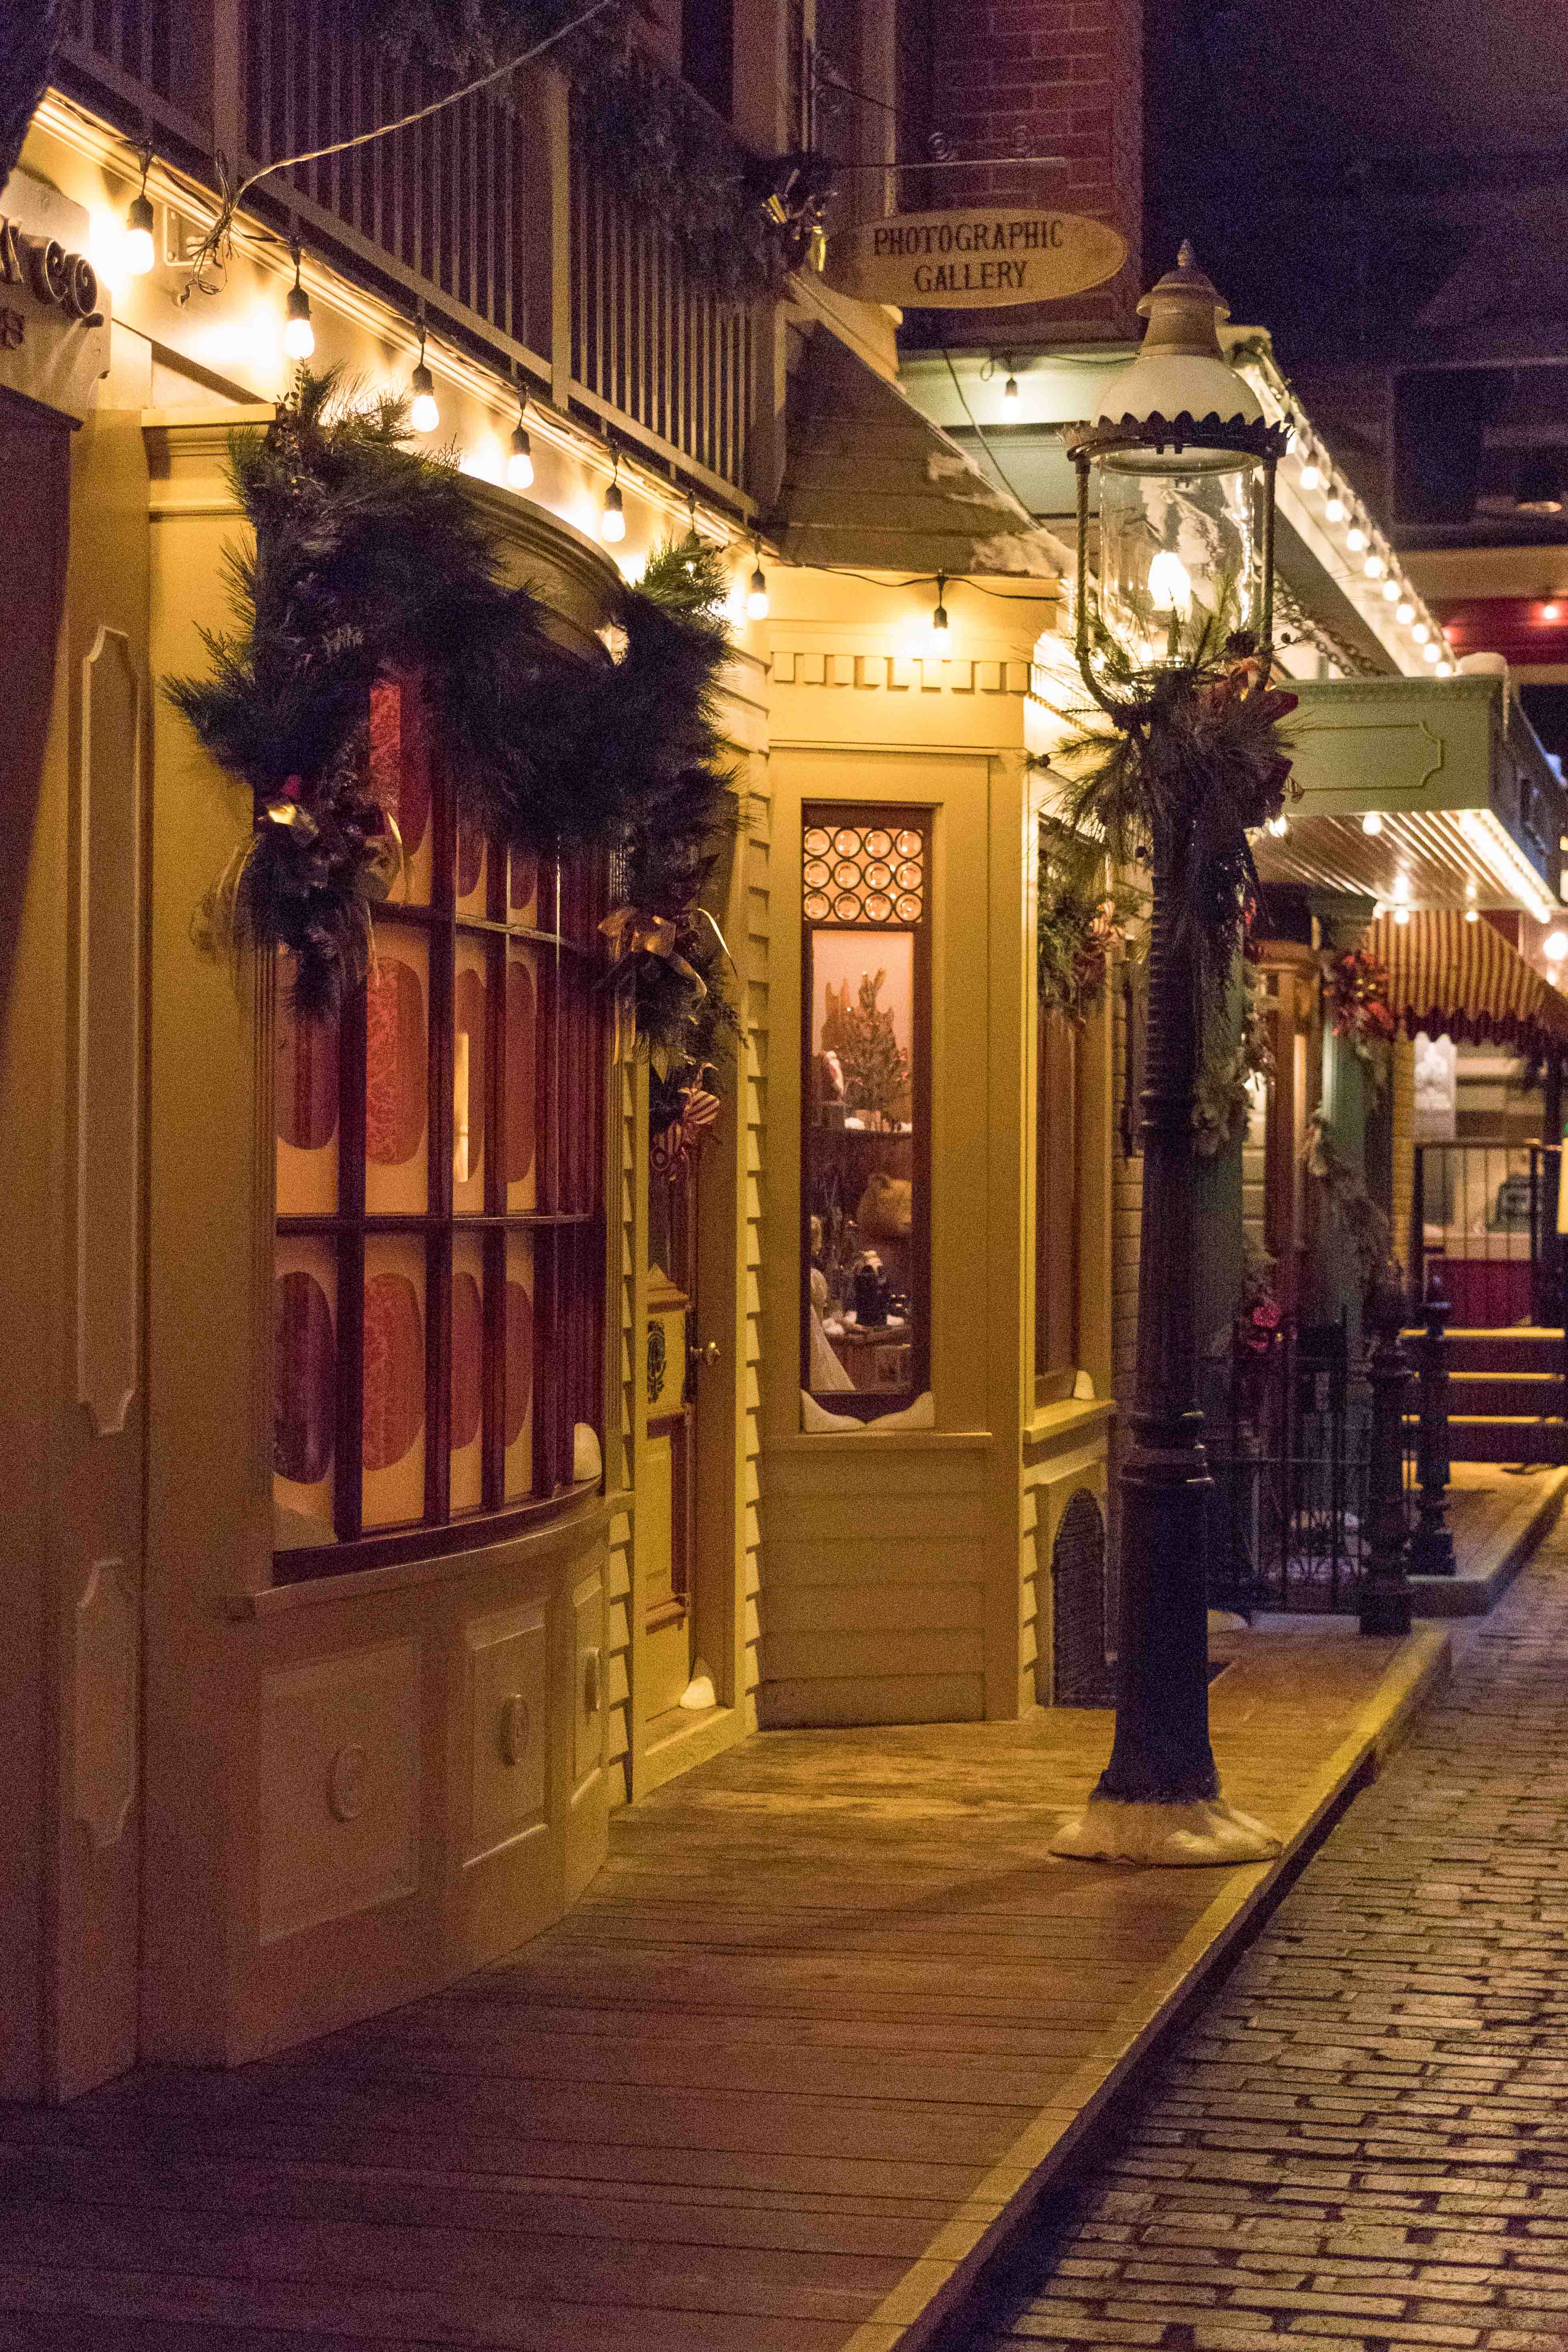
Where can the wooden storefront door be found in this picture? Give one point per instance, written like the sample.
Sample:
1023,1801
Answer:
668,1481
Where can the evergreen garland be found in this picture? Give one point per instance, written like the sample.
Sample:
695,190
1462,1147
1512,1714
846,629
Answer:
1080,921
740,226
369,558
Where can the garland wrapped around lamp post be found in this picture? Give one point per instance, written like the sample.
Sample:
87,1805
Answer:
1176,648
372,559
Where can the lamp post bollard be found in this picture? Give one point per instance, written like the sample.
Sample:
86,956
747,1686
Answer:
1431,1545
1385,1597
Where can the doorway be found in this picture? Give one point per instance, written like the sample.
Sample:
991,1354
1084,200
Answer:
677,1682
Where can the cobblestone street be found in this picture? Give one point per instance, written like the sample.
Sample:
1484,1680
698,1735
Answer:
1364,2139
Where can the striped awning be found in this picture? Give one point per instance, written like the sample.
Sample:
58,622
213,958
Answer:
1463,980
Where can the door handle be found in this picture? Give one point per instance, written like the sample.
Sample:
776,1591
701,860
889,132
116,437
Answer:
698,1355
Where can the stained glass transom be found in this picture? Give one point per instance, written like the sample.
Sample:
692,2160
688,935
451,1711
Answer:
864,874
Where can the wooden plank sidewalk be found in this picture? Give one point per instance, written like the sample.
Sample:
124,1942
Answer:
814,2035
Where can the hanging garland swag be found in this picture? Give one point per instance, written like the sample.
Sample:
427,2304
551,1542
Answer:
369,559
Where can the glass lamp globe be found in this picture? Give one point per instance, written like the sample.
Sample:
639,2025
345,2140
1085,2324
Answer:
1185,461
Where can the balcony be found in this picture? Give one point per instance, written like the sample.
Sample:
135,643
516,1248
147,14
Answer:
483,212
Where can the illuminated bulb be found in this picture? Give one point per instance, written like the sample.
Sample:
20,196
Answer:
1401,887
1312,475
1554,946
136,253
1372,822
1355,538
1390,590
1552,612
519,465
423,415
1279,826
1421,633
1472,915
1444,669
1170,584
1402,915
298,335
1405,612
1431,653
1336,509
1373,567
1010,397
939,643
757,595
613,521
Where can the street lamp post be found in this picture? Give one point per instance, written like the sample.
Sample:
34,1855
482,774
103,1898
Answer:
1183,460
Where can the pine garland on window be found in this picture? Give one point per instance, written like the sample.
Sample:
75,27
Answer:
369,558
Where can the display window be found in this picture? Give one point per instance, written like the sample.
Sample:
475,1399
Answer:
439,1266
866,1097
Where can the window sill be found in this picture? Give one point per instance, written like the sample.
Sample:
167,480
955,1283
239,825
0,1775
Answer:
583,1512
1074,1416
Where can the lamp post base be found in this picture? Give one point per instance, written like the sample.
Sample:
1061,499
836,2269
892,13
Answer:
1200,1832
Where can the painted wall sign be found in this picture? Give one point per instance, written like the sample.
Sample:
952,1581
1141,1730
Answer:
981,258
54,313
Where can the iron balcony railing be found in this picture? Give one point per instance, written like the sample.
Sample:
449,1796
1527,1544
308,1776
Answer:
458,213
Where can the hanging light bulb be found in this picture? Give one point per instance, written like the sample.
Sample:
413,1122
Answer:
1405,611
1170,585
1472,915
1554,946
1311,473
423,415
298,335
1372,822
1355,538
613,521
941,637
1444,669
1421,633
520,464
1373,566
1336,509
136,254
1431,653
1279,825
1390,590
757,594
1010,395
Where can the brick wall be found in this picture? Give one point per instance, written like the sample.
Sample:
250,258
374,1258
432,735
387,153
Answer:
1001,78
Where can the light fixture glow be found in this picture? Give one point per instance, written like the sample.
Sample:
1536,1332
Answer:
423,415
757,594
1355,538
1372,822
1312,475
1444,669
939,636
1390,590
1405,612
1472,915
1279,825
1373,567
1429,652
1402,889
1507,863
1336,509
520,464
1554,946
1010,396
1421,633
298,335
136,254
1402,915
1170,584
613,521
1552,612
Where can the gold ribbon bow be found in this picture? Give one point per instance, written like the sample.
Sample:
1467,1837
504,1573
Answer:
632,932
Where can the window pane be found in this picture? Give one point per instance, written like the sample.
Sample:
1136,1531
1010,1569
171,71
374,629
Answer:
518,1375
393,1414
523,888
468,1373
468,1093
305,1389
863,1169
472,866
305,1106
1056,1199
397,1082
521,1081
400,778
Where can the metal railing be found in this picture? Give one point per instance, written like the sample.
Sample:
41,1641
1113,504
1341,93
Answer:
456,213
1487,1212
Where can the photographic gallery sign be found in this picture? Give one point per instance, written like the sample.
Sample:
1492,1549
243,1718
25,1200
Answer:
979,260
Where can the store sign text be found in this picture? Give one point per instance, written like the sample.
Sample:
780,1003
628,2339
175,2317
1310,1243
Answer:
63,281
976,259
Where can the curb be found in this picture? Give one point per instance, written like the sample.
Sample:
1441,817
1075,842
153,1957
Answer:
1473,1592
938,2287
